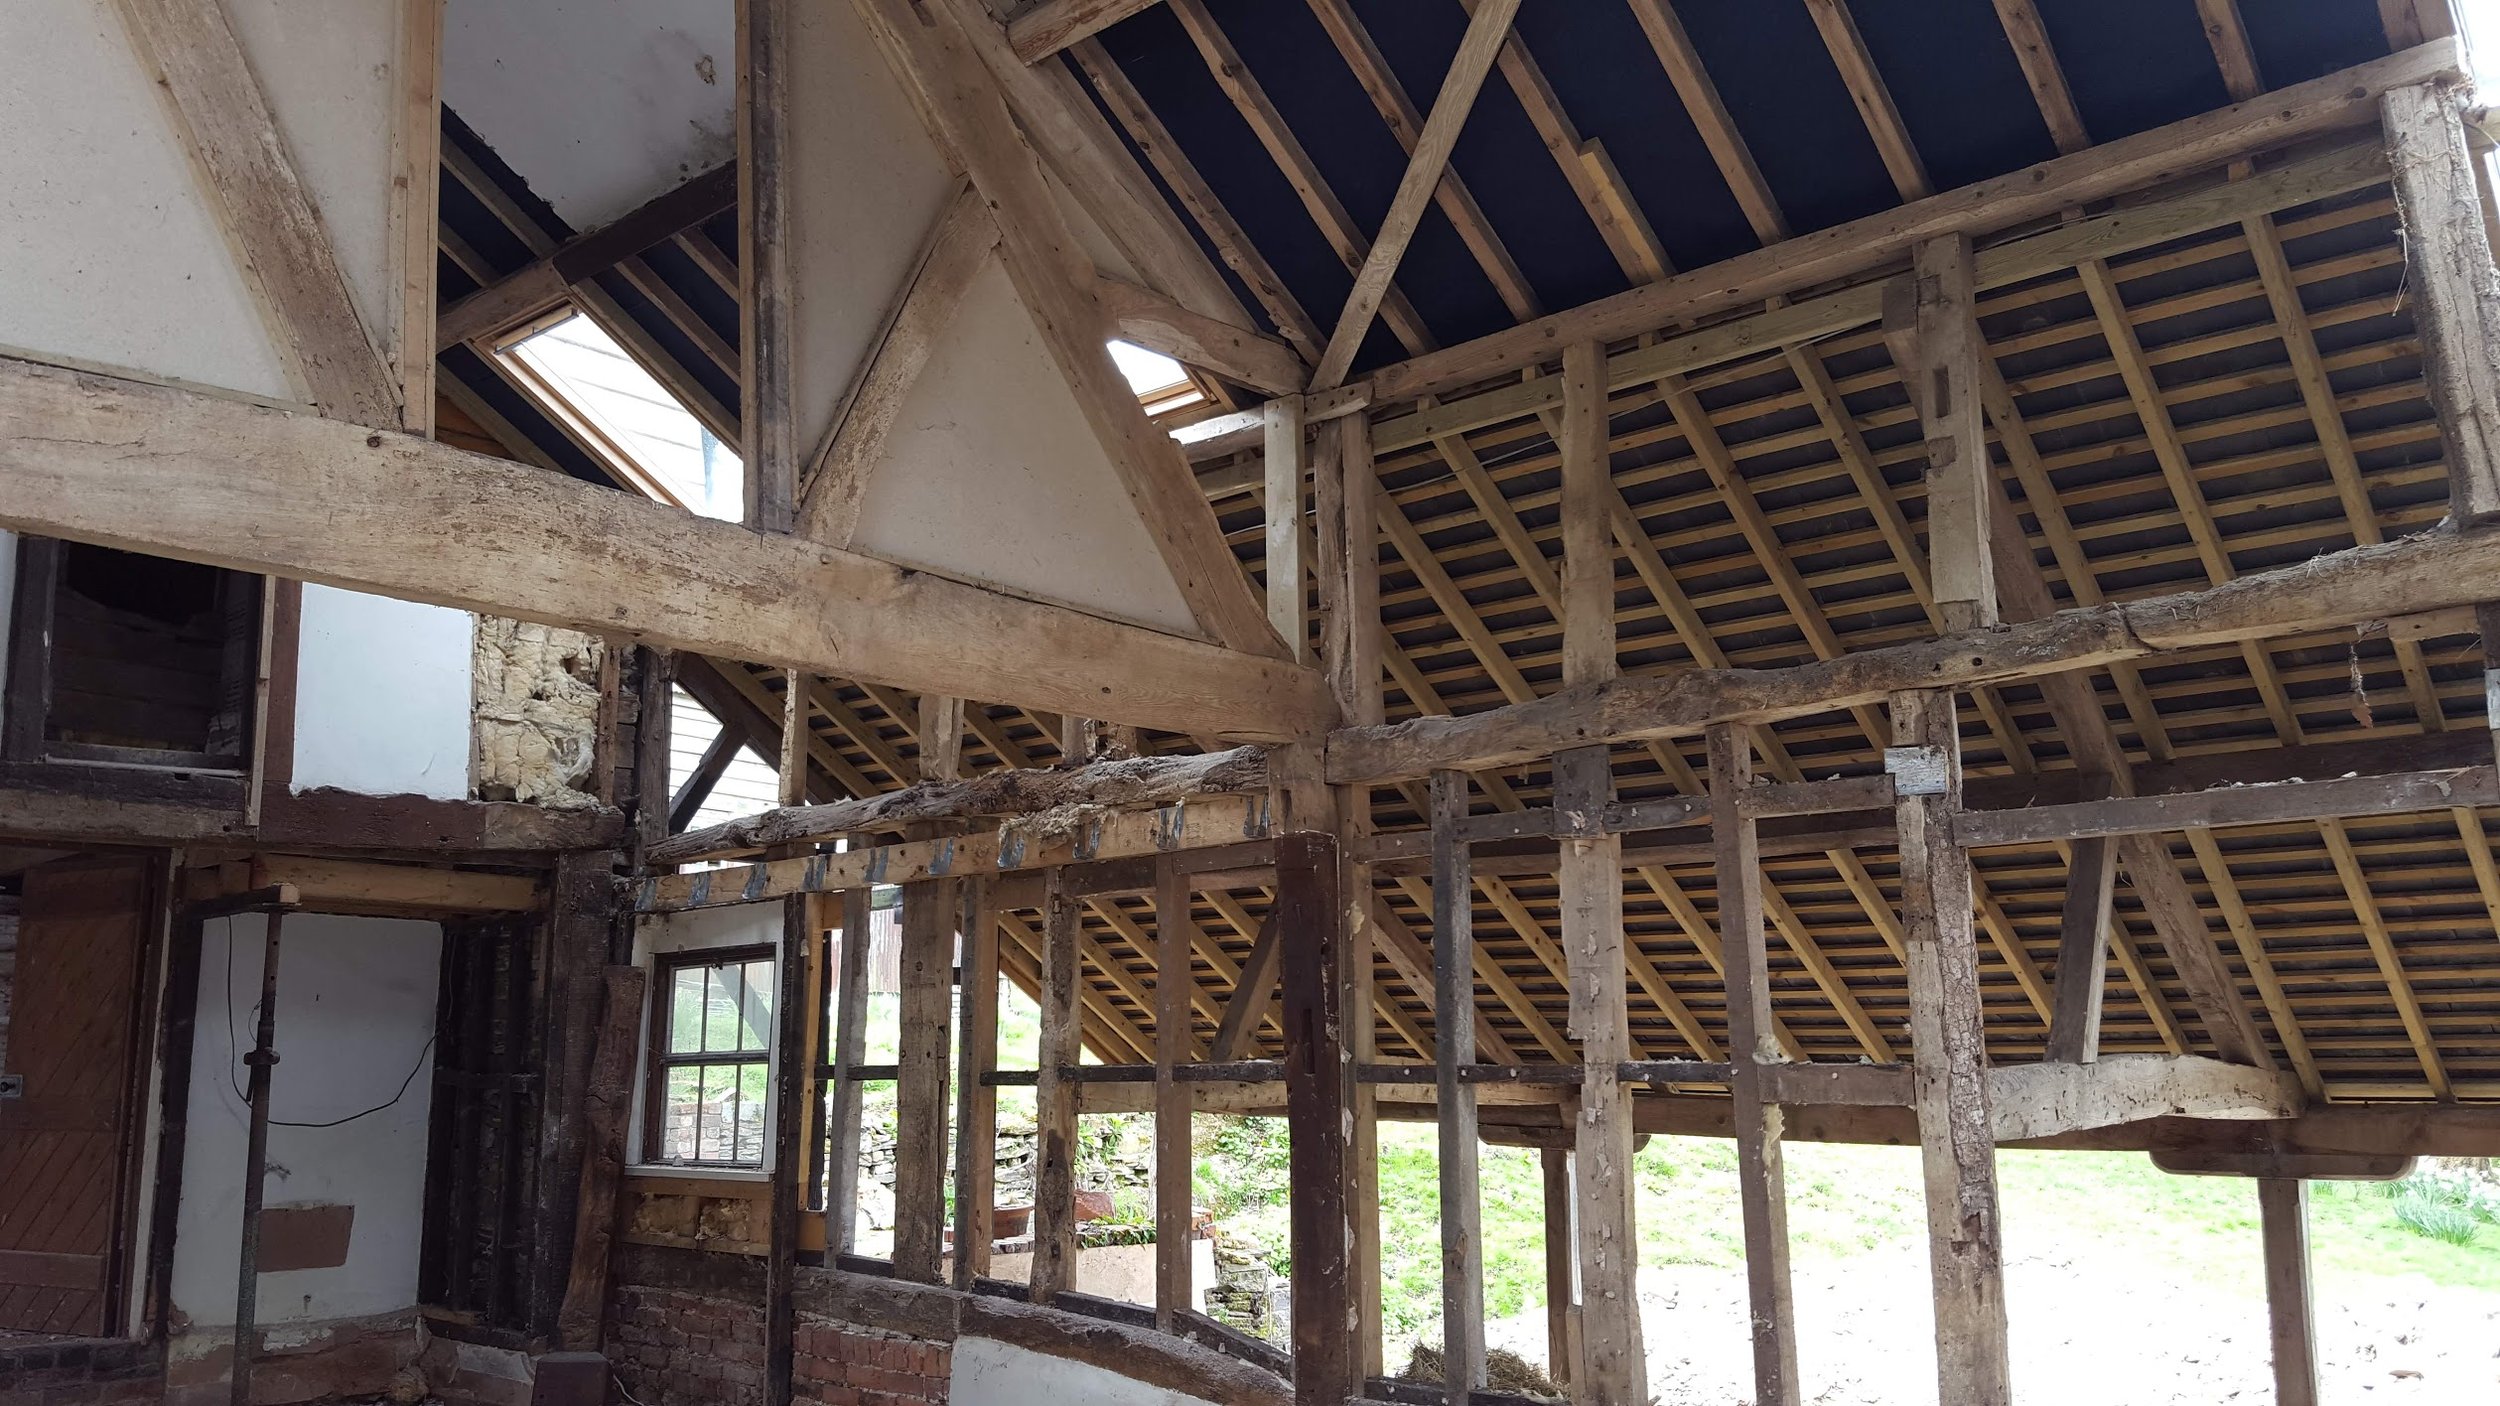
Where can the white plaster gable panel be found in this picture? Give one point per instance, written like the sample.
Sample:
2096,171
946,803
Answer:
866,188
383,701
987,1372
108,250
327,74
993,475
599,104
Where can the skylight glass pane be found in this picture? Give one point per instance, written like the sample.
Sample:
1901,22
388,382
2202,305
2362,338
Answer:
1147,371
633,418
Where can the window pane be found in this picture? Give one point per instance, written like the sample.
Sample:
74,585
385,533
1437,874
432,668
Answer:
685,1011
720,1091
595,380
752,1101
720,1010
759,1005
681,1114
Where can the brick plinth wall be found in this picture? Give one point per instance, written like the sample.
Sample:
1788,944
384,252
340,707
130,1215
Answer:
82,1374
686,1328
696,1338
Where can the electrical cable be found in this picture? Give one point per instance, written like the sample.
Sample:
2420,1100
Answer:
234,1054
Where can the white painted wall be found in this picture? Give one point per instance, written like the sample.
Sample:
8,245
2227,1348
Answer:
993,475
991,1373
851,131
382,696
108,252
738,925
599,104
355,1013
327,74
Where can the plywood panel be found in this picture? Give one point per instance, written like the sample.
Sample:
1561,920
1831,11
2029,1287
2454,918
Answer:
80,940
108,252
992,475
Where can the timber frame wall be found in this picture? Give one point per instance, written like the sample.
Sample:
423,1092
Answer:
1939,703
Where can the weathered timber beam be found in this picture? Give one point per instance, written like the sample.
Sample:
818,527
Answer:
2428,571
1130,782
1044,29
2263,804
2043,1100
2337,101
542,283
1146,318
197,477
1047,844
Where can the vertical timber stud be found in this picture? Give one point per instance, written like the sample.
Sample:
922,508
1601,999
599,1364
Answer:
794,735
1562,1287
2283,1213
1344,485
1284,524
2083,951
1949,1076
262,1059
1960,480
930,909
850,1046
767,292
792,1055
1611,1371
1454,1048
1173,980
2451,285
1054,1097
1319,1089
1761,1166
976,1103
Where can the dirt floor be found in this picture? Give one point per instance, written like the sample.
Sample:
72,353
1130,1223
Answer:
2092,1327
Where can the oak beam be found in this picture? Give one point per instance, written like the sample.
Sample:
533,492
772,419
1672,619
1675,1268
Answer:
1949,1060
204,478
976,1100
2083,952
1145,318
1487,29
2453,289
1054,1178
2283,1222
1454,988
1319,1094
1761,1168
2429,571
1052,25
1961,478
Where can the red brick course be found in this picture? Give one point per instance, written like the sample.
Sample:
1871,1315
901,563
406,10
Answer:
674,1348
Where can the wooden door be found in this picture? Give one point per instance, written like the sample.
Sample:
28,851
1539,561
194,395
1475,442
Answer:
82,935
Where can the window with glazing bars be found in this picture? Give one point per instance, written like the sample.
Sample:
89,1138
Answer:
710,1057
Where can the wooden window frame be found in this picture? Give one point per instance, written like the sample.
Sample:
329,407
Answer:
658,1061
27,757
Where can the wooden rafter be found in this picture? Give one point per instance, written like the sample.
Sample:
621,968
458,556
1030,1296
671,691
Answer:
1487,29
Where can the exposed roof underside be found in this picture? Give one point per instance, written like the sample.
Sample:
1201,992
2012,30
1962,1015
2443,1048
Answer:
2240,397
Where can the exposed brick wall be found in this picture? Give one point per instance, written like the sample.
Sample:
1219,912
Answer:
840,1365
82,1374
683,1346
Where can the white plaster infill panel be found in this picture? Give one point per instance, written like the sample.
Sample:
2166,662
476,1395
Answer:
993,475
598,104
991,1373
109,253
355,1015
383,704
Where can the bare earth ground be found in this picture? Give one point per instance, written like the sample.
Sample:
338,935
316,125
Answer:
2093,1326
